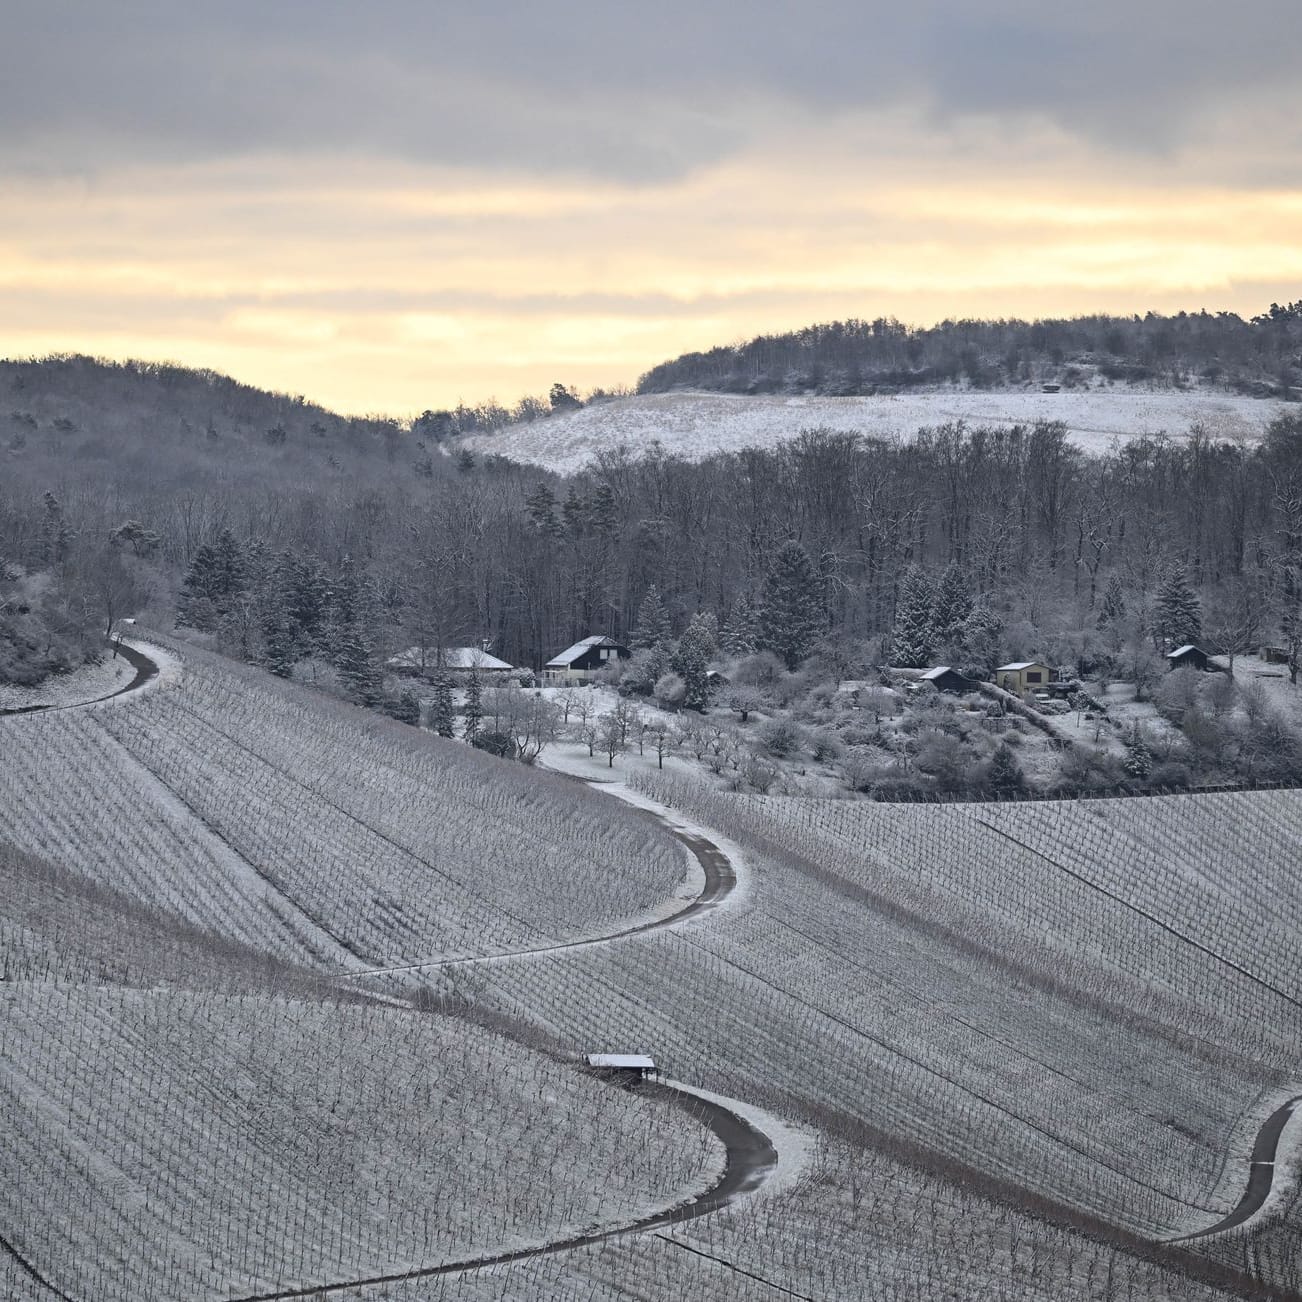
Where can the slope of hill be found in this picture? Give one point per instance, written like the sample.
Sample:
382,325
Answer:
695,425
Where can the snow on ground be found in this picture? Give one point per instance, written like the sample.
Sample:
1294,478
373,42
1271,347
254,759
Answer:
89,683
695,425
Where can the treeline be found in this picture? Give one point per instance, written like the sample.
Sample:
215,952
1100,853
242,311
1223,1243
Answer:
1261,357
1065,555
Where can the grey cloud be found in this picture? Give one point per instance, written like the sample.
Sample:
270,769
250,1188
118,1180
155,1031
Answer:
597,87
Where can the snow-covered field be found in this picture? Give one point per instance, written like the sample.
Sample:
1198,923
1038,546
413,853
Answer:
694,425
987,1024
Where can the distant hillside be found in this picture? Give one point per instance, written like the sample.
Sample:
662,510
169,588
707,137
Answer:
122,414
696,425
1258,358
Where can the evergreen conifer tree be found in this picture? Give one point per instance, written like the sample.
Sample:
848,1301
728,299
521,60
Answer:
652,627
474,706
912,639
791,617
541,506
1113,609
1005,775
1139,759
441,712
982,630
1178,614
740,636
952,606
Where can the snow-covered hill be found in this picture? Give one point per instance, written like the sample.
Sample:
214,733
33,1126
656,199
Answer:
697,424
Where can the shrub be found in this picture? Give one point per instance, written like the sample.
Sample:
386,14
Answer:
825,745
780,737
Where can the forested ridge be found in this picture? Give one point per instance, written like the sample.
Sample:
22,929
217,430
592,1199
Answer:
1261,357
344,537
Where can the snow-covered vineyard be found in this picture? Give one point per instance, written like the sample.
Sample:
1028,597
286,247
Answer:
978,1051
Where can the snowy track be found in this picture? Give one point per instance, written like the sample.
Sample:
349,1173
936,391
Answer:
146,671
1261,1175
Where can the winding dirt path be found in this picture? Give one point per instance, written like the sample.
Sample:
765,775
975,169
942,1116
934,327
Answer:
1261,1174
146,671
750,1157
720,882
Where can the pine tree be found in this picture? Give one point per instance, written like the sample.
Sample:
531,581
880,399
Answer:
652,627
951,607
1005,775
1139,759
474,707
441,712
740,635
354,658
1178,614
791,617
913,635
541,506
279,652
691,662
982,630
1113,609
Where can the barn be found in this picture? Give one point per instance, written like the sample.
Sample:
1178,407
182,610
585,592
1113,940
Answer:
583,661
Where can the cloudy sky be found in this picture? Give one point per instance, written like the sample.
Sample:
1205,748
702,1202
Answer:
393,205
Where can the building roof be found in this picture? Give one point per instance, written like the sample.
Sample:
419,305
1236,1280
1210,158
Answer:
619,1060
453,657
1184,651
940,671
1022,664
572,653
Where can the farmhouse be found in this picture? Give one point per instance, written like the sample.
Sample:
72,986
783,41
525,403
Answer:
583,661
1023,675
621,1066
1190,657
456,661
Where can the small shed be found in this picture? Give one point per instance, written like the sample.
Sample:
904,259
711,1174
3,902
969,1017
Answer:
1190,657
1272,655
1023,676
583,661
945,679
628,1067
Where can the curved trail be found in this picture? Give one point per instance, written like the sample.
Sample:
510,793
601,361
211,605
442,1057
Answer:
750,1157
1261,1174
720,882
146,671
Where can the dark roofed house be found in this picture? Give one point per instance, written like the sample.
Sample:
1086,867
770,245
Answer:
583,661
945,679
1190,657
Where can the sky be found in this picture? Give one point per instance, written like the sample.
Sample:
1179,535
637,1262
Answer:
399,205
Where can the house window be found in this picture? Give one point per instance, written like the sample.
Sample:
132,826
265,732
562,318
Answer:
1033,677
605,653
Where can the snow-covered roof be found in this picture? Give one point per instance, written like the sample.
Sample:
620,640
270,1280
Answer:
1183,651
1022,664
620,1060
572,653
453,657
939,671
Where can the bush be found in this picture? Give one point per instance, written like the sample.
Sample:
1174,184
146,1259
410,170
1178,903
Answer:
825,745
1171,774
780,737
501,744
